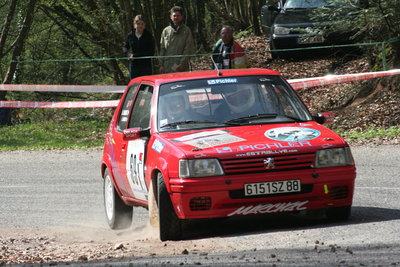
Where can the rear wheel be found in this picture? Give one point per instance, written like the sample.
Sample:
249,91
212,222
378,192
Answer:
338,213
169,223
118,215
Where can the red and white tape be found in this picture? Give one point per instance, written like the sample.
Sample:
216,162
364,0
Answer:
295,83
63,88
72,104
337,79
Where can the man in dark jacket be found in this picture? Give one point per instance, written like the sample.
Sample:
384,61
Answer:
227,53
139,43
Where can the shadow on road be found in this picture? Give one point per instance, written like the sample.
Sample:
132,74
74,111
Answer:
281,222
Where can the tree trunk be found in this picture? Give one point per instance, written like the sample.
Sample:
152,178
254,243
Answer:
5,115
6,27
202,39
256,10
19,43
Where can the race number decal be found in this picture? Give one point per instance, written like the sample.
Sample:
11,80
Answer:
135,168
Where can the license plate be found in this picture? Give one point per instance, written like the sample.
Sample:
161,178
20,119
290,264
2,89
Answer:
268,188
311,39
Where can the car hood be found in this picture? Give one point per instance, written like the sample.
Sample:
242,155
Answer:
254,140
294,17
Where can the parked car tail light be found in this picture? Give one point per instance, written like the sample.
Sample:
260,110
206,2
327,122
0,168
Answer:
334,157
199,168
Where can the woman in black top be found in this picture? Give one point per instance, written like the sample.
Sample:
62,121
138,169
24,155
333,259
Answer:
139,43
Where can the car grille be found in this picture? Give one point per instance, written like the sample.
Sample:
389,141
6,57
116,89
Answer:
298,31
258,164
339,192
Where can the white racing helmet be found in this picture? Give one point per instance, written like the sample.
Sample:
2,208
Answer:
241,98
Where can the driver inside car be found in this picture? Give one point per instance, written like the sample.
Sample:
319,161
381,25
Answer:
240,102
175,109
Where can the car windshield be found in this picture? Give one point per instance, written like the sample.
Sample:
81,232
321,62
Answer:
232,101
307,3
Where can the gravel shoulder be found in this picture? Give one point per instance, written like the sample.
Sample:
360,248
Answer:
80,235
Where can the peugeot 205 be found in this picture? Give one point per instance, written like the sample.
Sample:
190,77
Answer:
218,144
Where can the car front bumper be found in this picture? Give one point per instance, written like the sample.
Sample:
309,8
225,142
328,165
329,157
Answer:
223,196
289,41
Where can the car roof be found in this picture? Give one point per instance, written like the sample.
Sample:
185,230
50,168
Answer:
193,75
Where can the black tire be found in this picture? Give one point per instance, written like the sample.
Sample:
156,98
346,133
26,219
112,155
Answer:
118,215
338,213
170,224
272,46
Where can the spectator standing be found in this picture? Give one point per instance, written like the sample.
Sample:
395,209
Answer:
227,53
176,39
139,43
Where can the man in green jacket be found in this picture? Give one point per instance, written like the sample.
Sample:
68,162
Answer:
176,39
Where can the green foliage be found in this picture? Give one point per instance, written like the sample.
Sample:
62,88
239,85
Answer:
97,29
367,20
244,33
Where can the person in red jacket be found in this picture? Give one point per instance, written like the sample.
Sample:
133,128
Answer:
227,53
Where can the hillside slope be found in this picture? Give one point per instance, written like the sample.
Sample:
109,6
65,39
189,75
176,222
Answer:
358,105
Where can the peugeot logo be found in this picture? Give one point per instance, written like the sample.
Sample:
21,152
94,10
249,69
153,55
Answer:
269,163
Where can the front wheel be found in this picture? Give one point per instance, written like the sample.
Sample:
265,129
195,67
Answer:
169,224
118,215
272,46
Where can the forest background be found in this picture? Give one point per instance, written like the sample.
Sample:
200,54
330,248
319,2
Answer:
80,42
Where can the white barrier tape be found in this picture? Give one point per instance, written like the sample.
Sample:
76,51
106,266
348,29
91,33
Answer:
337,79
74,104
295,83
63,88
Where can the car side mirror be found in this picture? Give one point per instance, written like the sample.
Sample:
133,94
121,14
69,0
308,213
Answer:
136,133
132,133
325,118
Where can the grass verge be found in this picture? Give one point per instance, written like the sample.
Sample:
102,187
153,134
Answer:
53,135
80,134
372,135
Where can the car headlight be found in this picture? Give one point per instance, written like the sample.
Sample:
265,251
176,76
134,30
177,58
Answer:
334,157
199,168
281,30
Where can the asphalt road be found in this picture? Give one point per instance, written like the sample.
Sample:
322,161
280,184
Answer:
42,189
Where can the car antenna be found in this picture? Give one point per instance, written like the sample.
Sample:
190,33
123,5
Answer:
216,66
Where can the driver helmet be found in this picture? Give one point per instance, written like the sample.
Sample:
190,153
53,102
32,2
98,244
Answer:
241,99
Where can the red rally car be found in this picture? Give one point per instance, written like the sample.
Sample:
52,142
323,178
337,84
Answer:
213,144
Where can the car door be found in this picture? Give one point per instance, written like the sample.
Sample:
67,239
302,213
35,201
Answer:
120,144
268,14
136,149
